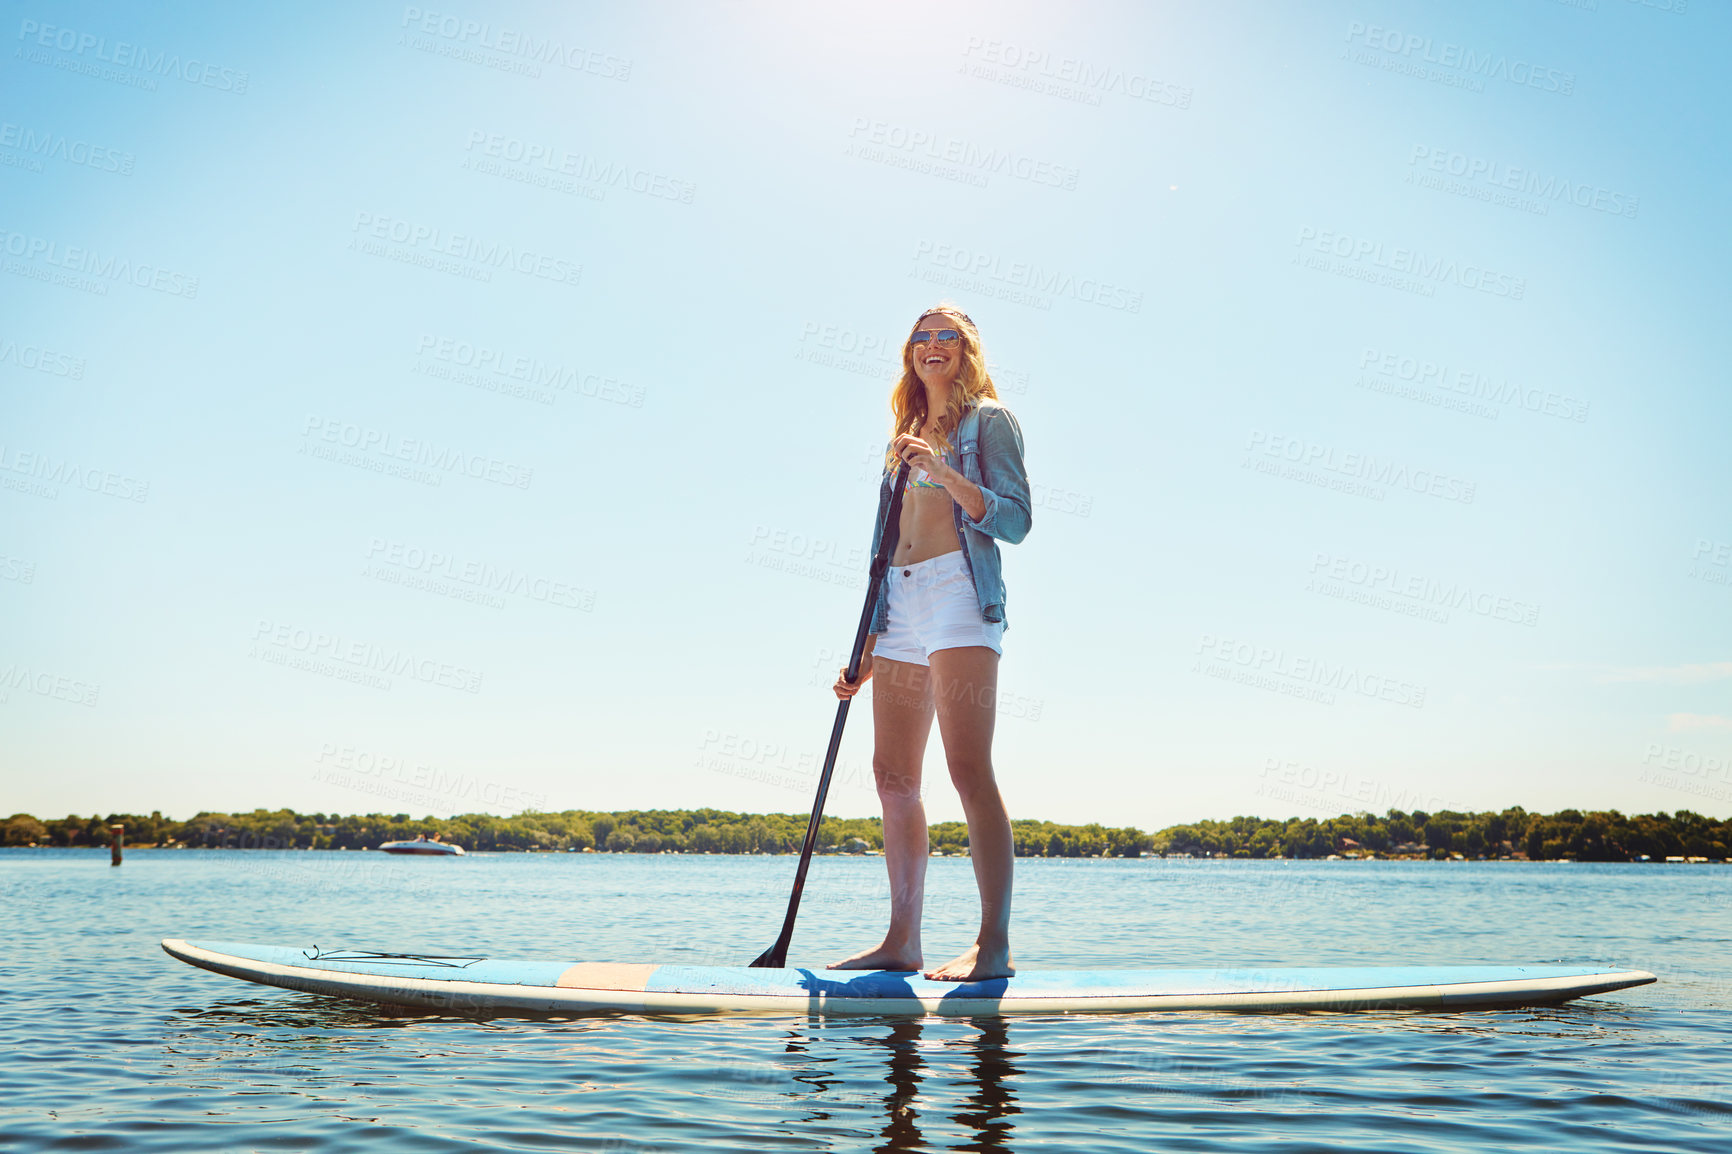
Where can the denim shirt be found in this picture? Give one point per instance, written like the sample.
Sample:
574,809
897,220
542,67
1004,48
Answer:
989,443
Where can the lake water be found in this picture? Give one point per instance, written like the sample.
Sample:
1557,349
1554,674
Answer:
111,1044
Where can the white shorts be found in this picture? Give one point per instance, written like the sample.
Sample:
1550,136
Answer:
932,606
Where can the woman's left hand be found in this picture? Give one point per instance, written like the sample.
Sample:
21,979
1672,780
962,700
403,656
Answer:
918,453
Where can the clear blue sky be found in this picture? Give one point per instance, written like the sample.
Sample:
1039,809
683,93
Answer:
451,408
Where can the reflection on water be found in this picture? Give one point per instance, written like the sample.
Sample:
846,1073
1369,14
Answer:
896,1084
110,1044
957,1077
992,1100
981,1104
901,1044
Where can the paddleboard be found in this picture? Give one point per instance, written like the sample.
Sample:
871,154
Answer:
562,987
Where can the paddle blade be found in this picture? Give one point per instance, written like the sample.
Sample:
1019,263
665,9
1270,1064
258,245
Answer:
774,958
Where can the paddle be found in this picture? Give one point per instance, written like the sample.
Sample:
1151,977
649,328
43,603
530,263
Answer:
776,956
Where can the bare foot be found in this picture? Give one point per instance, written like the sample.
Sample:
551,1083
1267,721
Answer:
975,965
880,958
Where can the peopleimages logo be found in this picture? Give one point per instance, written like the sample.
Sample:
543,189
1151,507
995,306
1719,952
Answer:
1022,278
1309,678
1414,594
362,440
78,259
1471,384
1496,176
518,42
419,778
280,643
1325,786
887,143
41,359
555,160
1688,762
45,471
1357,468
49,145
429,242
479,576
1415,50
1071,77
23,679
540,378
1411,263
1712,561
87,47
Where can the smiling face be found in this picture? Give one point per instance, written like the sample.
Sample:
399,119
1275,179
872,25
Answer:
935,362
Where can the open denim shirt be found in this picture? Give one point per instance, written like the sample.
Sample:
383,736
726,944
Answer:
989,443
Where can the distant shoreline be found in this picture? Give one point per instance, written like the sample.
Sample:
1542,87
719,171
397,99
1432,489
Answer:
102,850
1511,834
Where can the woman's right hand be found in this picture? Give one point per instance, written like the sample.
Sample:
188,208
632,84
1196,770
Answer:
845,688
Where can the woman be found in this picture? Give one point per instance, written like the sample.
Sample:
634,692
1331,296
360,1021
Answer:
935,637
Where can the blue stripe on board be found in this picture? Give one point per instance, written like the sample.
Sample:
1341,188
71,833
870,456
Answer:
1087,983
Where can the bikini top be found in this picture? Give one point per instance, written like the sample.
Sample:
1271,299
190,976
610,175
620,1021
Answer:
919,478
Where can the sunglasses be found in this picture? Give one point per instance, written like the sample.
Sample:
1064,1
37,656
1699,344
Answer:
942,336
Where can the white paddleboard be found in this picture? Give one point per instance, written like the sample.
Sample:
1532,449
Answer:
562,987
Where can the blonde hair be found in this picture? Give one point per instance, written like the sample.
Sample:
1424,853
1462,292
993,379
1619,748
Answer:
908,396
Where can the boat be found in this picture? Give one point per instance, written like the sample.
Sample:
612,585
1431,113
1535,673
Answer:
424,847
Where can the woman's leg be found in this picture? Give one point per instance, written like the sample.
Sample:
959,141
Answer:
964,691
902,723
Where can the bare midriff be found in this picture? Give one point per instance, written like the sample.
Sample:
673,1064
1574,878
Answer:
928,527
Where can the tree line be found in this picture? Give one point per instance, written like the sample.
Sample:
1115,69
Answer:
1514,833
1510,834
623,831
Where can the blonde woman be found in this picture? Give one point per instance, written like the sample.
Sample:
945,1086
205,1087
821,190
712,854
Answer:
936,636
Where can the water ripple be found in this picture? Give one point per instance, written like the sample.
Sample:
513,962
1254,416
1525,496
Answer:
112,1046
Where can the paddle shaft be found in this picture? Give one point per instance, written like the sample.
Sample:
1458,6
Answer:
777,955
